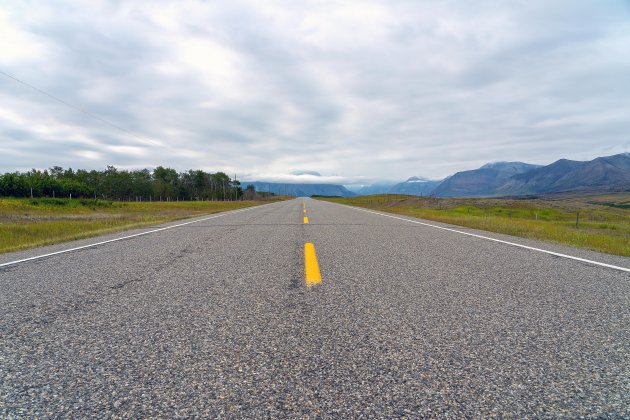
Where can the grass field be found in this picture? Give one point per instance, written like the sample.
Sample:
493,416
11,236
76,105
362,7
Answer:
27,223
599,223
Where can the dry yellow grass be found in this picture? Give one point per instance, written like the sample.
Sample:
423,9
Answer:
27,223
604,221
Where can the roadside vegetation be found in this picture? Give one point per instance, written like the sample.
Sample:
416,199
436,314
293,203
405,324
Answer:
27,223
160,184
599,223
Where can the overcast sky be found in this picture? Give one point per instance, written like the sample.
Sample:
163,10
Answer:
355,90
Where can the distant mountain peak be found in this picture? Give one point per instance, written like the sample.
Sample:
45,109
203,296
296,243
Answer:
314,173
417,179
503,165
483,181
492,165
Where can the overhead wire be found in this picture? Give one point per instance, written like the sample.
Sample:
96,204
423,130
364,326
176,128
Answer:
89,114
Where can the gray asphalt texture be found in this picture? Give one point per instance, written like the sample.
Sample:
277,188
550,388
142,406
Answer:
213,319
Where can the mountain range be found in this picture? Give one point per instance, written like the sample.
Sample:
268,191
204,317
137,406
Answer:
484,181
413,186
300,190
600,174
570,175
491,180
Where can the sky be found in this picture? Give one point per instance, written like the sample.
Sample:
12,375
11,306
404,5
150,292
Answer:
355,91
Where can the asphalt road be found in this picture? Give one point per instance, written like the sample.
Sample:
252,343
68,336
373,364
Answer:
214,318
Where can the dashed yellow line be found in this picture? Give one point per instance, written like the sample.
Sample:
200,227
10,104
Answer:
305,220
311,268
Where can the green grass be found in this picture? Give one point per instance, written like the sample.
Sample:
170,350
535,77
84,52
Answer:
602,227
27,223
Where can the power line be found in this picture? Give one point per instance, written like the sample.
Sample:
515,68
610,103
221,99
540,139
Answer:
89,114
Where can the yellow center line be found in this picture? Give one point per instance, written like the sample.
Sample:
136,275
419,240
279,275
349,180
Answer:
311,268
304,210
305,220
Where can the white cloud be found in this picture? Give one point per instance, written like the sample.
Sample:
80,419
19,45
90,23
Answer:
19,46
366,90
302,178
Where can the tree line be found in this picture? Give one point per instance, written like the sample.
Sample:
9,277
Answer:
163,184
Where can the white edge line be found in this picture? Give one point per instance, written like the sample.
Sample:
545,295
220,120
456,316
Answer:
531,248
122,238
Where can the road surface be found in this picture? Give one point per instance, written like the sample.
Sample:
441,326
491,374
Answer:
215,318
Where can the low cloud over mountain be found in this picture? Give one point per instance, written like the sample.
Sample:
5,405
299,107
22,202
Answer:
301,190
490,180
415,186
